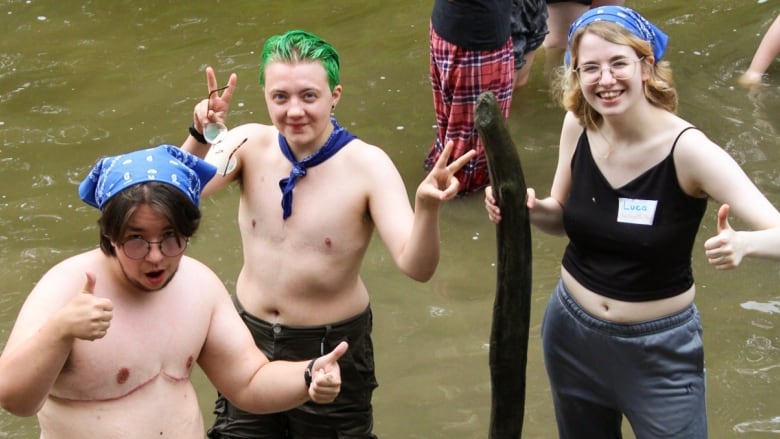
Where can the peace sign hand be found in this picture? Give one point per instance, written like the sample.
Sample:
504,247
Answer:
440,184
215,107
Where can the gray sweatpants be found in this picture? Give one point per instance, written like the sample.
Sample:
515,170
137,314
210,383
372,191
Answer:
651,372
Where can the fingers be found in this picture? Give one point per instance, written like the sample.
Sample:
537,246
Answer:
530,200
326,376
721,250
489,199
218,98
89,285
723,218
458,163
461,161
337,352
211,79
445,154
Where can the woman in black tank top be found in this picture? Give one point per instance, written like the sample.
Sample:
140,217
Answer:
621,334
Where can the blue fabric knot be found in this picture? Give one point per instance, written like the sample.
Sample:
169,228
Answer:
338,138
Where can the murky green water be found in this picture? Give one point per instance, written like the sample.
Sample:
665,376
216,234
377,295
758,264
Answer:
80,79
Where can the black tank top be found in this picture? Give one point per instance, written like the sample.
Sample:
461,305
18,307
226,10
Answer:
633,243
473,24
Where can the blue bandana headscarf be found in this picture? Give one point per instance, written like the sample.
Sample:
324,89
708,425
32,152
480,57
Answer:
163,164
629,19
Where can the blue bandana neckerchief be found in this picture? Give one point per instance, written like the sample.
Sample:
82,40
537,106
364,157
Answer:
338,138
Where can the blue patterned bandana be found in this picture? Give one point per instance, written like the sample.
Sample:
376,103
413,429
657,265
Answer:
629,19
338,138
163,164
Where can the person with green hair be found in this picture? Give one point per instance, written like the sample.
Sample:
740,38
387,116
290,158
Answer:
312,195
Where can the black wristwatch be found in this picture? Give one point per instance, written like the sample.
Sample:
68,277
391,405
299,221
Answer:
307,373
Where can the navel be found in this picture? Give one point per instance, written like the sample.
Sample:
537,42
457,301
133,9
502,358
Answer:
190,360
328,242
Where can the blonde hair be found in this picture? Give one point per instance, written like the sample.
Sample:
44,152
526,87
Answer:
658,89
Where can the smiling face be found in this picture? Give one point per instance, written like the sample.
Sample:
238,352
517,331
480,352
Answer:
155,270
299,102
609,95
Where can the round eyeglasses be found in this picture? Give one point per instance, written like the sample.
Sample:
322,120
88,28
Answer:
138,248
621,69
214,132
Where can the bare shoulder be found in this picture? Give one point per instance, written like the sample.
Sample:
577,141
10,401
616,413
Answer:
368,158
693,145
702,165
198,276
67,277
256,135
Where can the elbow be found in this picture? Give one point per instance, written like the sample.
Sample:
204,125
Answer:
20,408
421,278
18,401
421,274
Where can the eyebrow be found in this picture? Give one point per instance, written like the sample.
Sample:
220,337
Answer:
612,59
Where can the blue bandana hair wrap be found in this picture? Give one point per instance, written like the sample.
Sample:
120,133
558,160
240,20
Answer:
163,164
629,19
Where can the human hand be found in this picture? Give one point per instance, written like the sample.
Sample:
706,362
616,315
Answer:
326,376
441,184
494,212
724,251
215,107
86,316
750,79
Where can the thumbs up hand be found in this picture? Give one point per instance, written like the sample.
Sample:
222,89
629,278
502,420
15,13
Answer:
87,316
723,250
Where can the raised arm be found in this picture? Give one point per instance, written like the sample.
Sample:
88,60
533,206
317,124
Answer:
412,235
213,108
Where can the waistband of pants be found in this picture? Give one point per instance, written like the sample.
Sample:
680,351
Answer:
343,326
622,329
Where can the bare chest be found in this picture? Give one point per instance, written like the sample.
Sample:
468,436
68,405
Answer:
141,347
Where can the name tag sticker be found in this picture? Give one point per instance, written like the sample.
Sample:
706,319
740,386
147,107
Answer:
634,211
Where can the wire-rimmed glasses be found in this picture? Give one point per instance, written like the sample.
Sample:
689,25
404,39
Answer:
621,69
137,247
214,132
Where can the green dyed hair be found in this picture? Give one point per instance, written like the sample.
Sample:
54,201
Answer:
297,46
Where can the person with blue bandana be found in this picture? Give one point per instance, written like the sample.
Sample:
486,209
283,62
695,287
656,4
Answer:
106,343
621,334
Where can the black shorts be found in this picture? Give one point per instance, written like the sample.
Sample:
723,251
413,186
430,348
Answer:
349,416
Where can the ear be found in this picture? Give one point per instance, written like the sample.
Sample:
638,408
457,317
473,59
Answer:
336,94
647,67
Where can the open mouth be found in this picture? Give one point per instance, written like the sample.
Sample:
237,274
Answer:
155,276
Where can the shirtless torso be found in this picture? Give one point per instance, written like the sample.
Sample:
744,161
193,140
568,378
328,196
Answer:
140,362
305,270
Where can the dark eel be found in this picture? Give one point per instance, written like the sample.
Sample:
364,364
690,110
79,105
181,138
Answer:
512,305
